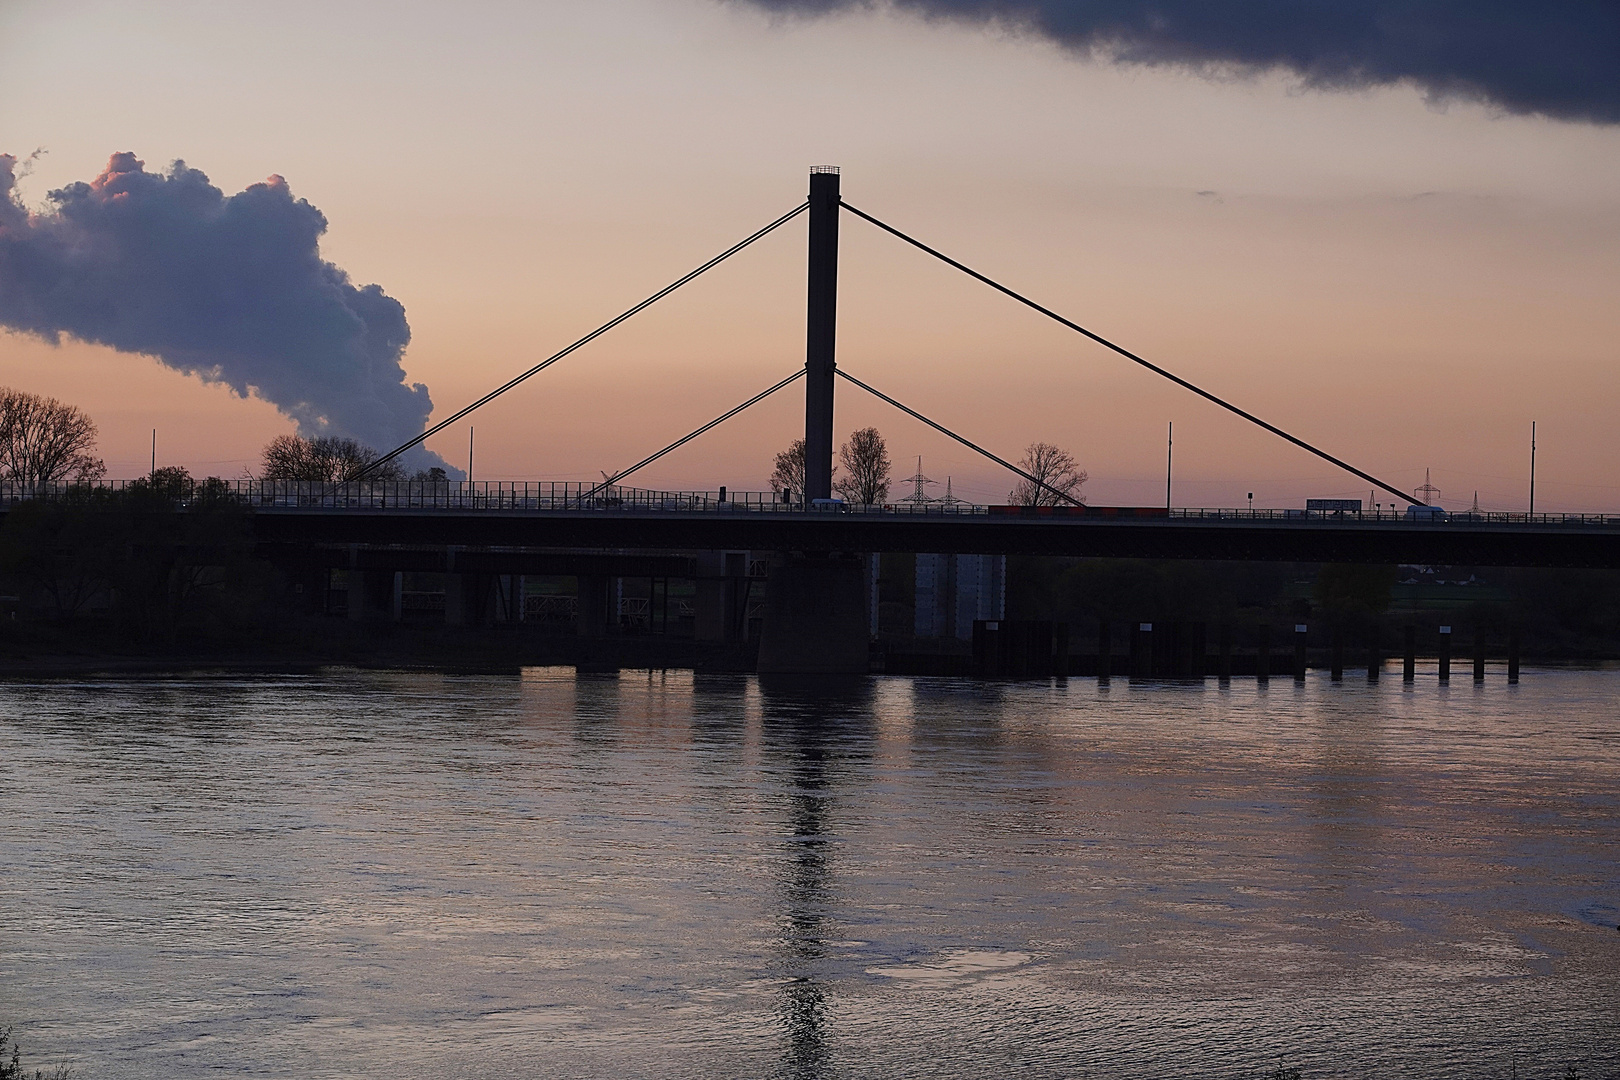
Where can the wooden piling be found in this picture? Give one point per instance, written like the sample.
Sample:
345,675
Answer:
1337,670
1300,634
1479,656
1409,660
1445,654
1262,656
1142,651
1513,657
1105,651
1223,666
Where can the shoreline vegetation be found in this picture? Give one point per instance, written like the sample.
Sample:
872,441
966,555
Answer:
11,1067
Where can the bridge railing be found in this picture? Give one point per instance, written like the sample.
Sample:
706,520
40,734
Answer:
449,495
545,495
1392,516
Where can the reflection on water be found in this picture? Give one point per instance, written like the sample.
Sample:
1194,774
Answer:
658,874
811,734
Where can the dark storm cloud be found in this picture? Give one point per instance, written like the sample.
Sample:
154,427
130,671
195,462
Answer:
232,290
1558,58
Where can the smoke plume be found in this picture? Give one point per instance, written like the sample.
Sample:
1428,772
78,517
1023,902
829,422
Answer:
229,289
1556,58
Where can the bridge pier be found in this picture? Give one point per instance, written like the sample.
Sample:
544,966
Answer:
592,606
720,604
375,595
460,596
815,618
481,599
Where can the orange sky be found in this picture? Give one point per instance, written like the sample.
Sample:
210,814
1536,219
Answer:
1406,286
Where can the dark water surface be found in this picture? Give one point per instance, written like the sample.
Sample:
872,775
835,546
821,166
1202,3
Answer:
374,875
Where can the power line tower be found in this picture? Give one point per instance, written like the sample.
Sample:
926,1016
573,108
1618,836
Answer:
918,496
950,499
1428,493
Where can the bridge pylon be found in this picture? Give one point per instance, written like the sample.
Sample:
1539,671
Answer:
821,333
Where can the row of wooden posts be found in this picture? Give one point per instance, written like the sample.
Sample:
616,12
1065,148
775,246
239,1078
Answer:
1180,650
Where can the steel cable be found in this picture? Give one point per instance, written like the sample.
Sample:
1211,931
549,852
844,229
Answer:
943,430
587,339
678,443
1099,339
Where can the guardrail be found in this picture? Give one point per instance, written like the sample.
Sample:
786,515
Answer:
290,495
430,495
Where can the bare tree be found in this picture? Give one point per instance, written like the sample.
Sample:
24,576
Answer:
866,468
789,474
326,459
1053,467
43,441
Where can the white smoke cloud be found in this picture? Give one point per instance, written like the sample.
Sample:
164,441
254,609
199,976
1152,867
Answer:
229,289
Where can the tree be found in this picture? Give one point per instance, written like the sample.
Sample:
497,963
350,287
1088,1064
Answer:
866,468
43,441
1054,468
325,459
789,474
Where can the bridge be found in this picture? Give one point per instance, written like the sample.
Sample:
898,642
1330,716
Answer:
545,516
814,617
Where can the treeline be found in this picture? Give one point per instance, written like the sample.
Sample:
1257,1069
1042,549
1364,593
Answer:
163,559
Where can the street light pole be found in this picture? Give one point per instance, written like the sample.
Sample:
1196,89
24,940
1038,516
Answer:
1169,449
1532,467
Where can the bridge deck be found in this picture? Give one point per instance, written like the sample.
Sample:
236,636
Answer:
625,520
1235,535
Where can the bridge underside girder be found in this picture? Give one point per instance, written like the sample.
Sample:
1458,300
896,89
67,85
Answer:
454,559
621,535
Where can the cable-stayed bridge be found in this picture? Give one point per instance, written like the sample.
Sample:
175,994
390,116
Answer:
814,616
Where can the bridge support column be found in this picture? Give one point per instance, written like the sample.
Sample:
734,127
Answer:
815,618
592,605
460,593
1142,651
720,604
375,595
509,598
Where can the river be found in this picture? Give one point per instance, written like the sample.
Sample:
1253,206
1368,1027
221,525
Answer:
361,874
